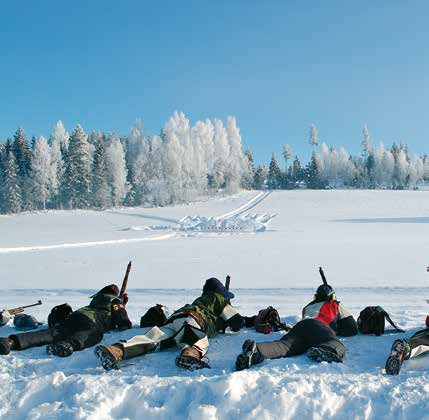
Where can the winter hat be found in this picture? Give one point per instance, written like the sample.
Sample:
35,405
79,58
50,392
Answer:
214,285
112,289
25,322
324,292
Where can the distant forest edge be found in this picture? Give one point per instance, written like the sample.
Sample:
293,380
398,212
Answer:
81,171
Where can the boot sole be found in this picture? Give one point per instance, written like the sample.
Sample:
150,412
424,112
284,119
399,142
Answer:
190,363
395,359
244,360
107,360
320,355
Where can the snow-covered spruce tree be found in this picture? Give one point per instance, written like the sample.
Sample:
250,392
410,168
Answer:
23,154
313,177
76,179
11,190
100,190
58,141
116,170
249,174
366,143
41,173
275,176
261,176
297,173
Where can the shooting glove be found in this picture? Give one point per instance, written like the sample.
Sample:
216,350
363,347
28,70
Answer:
124,298
4,317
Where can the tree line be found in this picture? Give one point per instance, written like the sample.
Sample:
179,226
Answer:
183,162
100,170
376,167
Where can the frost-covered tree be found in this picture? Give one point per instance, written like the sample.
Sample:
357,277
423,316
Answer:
366,143
100,190
41,173
11,192
221,155
77,175
58,141
261,176
314,137
297,173
237,163
116,170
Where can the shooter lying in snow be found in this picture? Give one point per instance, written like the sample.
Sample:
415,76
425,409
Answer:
189,327
322,320
74,331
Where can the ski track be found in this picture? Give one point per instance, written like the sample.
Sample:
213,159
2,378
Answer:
253,202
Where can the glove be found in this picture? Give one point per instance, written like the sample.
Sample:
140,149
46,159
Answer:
4,317
125,299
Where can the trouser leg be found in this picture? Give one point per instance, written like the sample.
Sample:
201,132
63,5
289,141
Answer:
190,334
32,339
419,343
292,344
80,331
322,336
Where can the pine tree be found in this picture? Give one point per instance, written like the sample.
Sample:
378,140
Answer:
297,172
100,191
23,154
314,180
76,179
10,188
275,176
260,177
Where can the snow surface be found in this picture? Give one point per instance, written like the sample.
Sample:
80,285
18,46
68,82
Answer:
372,245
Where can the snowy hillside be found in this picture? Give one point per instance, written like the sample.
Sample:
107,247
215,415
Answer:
373,246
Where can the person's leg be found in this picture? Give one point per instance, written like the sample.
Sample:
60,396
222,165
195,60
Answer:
26,340
291,344
322,343
404,349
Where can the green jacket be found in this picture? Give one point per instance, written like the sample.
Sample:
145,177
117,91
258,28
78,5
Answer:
209,307
100,311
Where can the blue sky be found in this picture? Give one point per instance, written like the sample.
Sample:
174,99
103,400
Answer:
278,66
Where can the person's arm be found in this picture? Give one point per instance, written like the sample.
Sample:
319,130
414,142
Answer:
120,316
232,318
346,325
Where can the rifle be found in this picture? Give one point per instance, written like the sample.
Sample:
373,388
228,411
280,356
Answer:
322,274
20,309
227,283
125,281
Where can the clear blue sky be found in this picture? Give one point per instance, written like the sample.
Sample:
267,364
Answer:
278,66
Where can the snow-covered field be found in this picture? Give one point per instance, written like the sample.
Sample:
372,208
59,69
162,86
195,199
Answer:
372,245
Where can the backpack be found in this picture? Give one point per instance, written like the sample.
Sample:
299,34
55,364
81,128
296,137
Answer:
372,320
268,320
154,317
59,314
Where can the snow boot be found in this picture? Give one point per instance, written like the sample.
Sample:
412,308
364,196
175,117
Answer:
399,352
6,345
323,355
249,356
61,349
191,359
109,356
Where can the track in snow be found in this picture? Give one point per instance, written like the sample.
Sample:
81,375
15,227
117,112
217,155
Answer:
245,207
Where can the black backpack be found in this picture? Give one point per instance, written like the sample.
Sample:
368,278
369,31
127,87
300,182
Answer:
59,314
154,317
372,320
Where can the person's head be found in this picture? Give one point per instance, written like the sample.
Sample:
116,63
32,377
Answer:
325,293
216,286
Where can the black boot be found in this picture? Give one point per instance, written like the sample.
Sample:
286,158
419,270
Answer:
249,356
320,354
6,345
191,359
61,349
399,352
